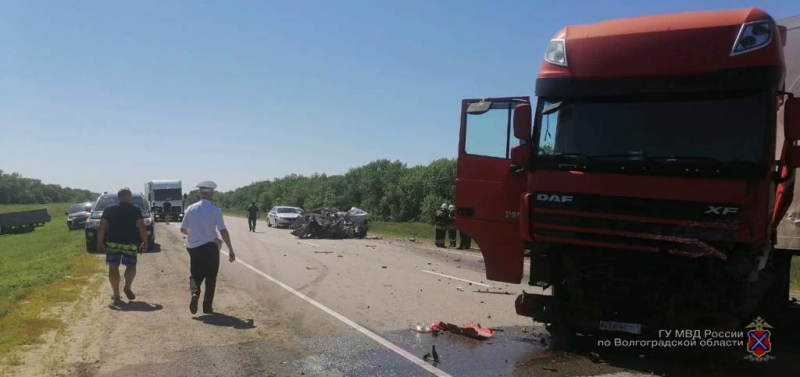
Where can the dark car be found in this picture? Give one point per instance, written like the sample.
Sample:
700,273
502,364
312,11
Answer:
77,215
105,200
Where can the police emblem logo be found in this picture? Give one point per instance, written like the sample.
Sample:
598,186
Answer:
759,340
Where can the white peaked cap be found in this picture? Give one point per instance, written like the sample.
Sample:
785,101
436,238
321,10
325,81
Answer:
207,186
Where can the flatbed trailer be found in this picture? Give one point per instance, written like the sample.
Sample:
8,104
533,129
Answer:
23,221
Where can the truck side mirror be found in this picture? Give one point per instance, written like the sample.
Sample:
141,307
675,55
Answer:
791,131
522,121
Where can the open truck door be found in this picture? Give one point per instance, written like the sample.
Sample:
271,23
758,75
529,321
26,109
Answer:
491,180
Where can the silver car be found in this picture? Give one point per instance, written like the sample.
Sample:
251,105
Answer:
283,216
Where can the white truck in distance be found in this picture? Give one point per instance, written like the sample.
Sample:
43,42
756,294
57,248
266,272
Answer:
163,190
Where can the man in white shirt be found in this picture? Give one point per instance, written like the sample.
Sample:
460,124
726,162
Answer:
201,221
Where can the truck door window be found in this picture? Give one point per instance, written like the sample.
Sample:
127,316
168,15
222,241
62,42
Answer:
488,134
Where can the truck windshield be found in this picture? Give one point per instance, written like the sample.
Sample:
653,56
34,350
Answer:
164,194
720,128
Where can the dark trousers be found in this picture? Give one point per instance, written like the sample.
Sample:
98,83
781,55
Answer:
252,222
451,234
440,233
466,241
204,266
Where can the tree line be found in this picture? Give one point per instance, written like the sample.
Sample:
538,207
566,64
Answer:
388,190
16,189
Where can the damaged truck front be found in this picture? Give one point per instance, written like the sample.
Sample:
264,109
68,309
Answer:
644,180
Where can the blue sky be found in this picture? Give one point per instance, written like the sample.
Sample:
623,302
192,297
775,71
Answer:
100,95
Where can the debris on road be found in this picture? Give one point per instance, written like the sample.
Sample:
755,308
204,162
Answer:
323,252
311,268
460,289
472,330
492,292
384,267
433,355
331,223
412,239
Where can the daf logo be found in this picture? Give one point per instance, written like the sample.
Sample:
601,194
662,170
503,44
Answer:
722,210
554,198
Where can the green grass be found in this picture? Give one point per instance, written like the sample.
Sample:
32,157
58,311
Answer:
37,271
421,232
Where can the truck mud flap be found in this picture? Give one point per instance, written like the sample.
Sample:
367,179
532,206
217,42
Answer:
539,307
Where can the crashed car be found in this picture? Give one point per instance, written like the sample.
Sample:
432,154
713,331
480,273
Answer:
331,223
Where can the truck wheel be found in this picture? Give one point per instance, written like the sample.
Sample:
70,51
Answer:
269,224
562,337
151,243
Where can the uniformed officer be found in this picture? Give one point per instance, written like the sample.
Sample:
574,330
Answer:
201,221
440,222
451,224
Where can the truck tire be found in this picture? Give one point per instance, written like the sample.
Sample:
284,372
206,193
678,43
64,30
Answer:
151,242
91,246
562,337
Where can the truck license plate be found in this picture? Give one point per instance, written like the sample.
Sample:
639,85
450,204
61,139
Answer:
632,328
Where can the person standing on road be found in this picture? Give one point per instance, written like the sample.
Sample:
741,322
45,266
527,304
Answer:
167,207
201,221
126,237
440,222
252,216
451,225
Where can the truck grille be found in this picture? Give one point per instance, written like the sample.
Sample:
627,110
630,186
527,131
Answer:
682,228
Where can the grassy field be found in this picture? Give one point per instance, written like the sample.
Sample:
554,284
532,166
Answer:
795,275
37,271
421,232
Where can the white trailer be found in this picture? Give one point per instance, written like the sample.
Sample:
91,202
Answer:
160,191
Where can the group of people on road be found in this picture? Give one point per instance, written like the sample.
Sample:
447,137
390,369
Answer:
444,222
122,236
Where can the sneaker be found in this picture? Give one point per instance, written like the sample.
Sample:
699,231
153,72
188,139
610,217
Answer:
129,293
193,304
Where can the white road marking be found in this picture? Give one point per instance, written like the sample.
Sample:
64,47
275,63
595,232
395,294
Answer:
391,346
455,278
308,243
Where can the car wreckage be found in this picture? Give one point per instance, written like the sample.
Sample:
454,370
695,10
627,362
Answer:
331,223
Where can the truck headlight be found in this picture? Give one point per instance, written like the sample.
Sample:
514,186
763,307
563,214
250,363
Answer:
148,221
752,36
92,223
556,52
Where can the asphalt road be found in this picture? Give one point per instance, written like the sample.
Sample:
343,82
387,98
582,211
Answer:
337,307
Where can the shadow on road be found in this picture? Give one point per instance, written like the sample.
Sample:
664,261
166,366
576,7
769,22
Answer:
154,248
219,319
135,306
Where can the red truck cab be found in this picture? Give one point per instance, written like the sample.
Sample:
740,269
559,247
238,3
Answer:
643,180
